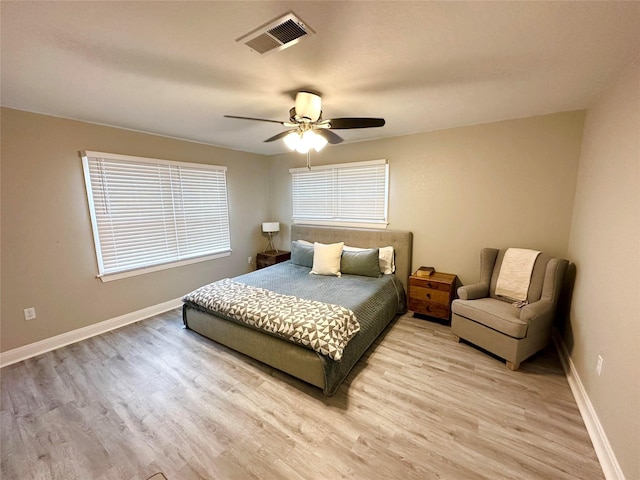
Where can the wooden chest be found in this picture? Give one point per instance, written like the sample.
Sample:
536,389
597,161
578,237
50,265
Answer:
432,295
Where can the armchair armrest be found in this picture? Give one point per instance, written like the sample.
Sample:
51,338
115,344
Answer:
540,311
473,291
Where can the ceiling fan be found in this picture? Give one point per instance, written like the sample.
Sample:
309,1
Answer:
308,130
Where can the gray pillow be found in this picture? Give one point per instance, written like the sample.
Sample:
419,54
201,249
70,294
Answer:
362,262
301,254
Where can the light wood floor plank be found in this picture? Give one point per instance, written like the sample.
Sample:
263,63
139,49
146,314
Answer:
154,397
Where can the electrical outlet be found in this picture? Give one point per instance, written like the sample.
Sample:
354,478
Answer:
250,260
599,364
29,313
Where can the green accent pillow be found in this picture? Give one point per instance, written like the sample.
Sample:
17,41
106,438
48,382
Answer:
301,254
362,262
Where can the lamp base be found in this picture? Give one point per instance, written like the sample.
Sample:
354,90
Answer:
270,247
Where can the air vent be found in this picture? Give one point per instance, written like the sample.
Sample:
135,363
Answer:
276,35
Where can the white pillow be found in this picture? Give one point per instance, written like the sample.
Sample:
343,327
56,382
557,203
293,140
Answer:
386,257
326,258
387,260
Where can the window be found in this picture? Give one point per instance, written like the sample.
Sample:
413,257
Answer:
150,214
348,194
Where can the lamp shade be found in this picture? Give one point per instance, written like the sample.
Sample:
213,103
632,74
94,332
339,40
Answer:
270,227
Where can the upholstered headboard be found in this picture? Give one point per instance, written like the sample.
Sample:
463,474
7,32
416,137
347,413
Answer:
401,241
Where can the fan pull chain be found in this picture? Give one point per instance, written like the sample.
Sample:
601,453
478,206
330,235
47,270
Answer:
309,160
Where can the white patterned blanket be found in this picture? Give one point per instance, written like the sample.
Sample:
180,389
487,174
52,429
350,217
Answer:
515,273
321,326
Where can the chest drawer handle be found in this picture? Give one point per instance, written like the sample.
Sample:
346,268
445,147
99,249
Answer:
429,285
428,295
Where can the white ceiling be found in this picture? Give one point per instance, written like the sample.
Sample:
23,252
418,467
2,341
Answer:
175,68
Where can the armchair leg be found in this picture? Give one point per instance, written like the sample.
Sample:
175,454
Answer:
513,366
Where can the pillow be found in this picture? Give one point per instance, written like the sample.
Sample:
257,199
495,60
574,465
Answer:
326,258
386,257
301,254
304,242
362,262
387,260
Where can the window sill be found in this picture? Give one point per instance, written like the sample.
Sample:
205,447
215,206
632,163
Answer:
109,277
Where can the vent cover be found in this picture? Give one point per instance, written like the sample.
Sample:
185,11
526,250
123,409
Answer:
276,35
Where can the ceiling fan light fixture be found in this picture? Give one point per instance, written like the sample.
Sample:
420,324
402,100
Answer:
319,142
303,148
292,140
302,142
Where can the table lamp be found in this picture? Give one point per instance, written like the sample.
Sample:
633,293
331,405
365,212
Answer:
271,229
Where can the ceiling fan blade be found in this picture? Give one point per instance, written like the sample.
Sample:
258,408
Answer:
278,136
256,119
356,122
332,138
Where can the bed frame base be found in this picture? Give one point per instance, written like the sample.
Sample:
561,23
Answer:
280,354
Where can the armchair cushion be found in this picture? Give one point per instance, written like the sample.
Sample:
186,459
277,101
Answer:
495,314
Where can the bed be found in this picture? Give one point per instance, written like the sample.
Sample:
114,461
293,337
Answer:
373,301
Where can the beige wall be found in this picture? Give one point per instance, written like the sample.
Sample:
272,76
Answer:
502,184
48,259
605,244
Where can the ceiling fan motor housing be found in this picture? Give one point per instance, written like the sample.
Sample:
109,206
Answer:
308,106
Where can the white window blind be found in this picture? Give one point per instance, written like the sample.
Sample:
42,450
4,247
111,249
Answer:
147,212
342,194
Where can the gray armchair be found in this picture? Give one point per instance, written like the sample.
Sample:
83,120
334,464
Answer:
493,323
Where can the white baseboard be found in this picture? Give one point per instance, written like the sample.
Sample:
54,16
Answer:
606,456
27,351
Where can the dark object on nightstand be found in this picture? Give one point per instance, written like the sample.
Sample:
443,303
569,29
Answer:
266,259
432,295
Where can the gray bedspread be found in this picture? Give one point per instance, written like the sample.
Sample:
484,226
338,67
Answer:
362,295
374,301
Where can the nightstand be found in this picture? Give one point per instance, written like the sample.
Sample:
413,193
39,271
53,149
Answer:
432,295
266,259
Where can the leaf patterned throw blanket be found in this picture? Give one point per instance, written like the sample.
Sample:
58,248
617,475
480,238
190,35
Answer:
323,327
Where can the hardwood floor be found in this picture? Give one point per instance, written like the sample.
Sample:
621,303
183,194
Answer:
153,397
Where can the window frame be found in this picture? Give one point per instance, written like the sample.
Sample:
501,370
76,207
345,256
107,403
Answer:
380,223
106,276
